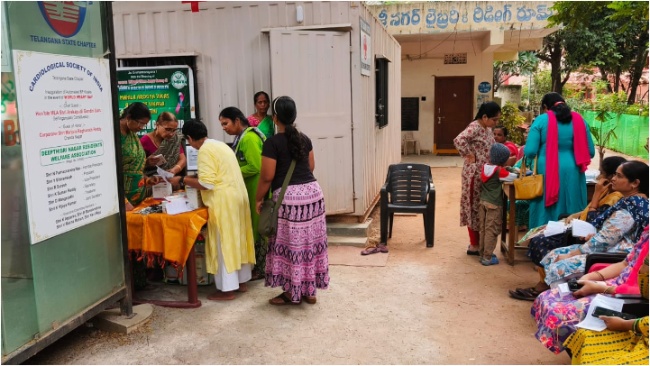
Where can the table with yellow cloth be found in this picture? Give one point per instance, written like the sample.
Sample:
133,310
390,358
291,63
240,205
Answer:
170,236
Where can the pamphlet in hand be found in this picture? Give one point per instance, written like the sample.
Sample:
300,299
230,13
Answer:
593,323
532,233
582,229
554,228
164,174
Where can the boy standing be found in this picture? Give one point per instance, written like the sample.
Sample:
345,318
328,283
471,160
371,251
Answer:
489,212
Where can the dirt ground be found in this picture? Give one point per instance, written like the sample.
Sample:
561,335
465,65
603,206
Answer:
426,306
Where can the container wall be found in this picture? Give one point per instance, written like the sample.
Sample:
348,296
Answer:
232,47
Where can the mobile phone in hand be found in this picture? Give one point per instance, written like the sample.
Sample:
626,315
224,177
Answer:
574,285
598,311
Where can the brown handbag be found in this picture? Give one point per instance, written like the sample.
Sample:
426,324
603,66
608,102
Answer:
529,187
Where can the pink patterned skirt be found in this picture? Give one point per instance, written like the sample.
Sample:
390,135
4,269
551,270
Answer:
297,256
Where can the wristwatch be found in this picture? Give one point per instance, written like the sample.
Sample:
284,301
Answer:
181,182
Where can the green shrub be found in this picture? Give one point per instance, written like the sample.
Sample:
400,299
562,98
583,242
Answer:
510,119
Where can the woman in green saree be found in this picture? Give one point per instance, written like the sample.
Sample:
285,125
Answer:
134,118
260,118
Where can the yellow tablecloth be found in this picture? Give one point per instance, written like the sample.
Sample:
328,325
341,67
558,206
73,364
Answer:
171,236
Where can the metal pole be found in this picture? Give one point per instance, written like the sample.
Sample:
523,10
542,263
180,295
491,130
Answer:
126,304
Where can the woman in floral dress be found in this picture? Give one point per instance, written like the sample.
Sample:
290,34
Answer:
474,144
557,314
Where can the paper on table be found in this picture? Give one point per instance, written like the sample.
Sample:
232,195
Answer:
593,323
554,228
164,174
582,228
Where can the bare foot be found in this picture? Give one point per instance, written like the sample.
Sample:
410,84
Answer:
222,296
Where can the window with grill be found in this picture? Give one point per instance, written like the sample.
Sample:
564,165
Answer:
410,114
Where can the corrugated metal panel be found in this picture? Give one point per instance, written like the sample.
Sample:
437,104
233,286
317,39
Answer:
233,63
374,149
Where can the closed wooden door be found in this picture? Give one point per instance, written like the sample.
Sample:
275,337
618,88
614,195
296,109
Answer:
313,68
453,110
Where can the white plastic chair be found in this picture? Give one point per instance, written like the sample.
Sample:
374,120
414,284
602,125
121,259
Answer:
407,139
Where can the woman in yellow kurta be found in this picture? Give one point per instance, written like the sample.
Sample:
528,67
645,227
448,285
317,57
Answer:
229,244
624,343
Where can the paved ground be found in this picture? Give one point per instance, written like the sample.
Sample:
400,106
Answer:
427,306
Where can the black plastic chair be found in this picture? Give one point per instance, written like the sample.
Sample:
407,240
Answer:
408,189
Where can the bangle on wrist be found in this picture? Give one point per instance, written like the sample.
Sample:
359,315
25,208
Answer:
606,292
602,278
635,327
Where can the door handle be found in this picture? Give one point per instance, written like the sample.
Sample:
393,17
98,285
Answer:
440,119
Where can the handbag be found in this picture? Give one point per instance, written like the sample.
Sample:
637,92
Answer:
529,187
268,223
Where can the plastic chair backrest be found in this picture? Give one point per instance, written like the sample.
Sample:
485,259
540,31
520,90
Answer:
408,184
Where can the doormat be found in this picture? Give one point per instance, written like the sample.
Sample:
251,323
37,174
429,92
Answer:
341,255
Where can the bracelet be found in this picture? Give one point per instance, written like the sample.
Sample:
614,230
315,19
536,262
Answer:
607,289
601,275
635,327
179,167
181,182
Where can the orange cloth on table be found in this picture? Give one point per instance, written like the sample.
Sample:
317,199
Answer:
171,236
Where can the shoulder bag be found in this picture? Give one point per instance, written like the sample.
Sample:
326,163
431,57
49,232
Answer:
529,187
268,223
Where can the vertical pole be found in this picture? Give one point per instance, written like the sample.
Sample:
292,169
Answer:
126,304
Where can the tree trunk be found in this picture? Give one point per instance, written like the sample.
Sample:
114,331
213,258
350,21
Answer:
636,73
556,66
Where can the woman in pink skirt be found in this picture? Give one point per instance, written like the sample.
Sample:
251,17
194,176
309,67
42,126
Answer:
297,255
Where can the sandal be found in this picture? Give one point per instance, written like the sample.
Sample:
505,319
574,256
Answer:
283,300
527,294
311,300
370,250
471,252
382,248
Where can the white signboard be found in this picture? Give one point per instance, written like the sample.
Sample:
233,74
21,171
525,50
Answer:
366,51
67,138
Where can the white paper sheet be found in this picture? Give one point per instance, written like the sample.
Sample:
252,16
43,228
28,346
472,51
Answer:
164,174
593,323
554,228
582,228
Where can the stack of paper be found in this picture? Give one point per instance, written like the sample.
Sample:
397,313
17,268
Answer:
554,228
593,323
582,229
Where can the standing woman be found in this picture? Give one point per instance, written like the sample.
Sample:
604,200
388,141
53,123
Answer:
229,248
248,149
474,144
164,140
297,255
260,118
132,120
562,144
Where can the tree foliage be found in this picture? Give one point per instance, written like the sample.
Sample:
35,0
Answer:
612,36
525,65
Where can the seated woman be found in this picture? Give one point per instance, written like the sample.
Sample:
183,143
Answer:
624,341
557,314
604,197
619,227
164,140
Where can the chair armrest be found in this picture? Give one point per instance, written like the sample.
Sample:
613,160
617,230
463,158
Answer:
594,258
384,188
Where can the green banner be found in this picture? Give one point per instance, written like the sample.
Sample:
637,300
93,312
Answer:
162,89
60,27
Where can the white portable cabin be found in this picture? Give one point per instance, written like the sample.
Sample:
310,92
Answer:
310,51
